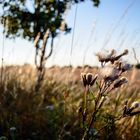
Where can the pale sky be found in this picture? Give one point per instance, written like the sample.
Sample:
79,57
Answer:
114,25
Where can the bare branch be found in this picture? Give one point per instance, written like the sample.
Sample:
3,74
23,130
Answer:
37,39
45,38
51,49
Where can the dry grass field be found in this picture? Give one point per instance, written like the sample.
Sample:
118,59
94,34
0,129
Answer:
53,112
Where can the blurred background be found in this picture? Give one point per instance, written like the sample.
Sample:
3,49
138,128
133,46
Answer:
114,24
45,45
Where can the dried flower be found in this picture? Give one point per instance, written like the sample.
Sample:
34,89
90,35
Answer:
120,82
83,75
117,64
110,73
111,57
125,67
125,52
93,80
135,104
88,79
122,66
102,57
119,56
129,110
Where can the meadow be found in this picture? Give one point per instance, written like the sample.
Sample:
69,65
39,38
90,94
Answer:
54,111
69,103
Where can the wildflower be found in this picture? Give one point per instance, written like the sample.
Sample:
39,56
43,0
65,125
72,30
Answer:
125,108
118,56
50,107
117,64
105,57
120,82
125,67
122,66
129,110
111,57
83,75
110,73
125,52
134,105
88,79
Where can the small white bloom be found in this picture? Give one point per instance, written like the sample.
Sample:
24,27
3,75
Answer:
135,104
120,82
126,66
105,57
50,107
109,72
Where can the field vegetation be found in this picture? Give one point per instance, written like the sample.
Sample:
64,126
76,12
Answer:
56,112
65,103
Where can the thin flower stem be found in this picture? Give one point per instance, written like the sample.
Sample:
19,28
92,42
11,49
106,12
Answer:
85,104
97,107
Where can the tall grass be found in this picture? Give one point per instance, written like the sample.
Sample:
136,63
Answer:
54,113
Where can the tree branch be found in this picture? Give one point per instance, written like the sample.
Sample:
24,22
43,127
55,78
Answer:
45,38
36,47
51,49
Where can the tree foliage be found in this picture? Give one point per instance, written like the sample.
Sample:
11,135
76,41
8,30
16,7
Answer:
46,14
45,21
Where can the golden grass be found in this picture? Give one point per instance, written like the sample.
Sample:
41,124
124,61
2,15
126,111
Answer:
61,92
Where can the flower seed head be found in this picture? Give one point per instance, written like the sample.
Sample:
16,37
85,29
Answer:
135,104
110,73
125,67
89,78
113,52
103,57
125,52
83,75
117,64
93,80
120,82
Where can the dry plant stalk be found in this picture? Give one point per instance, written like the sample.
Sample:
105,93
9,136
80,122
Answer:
111,79
135,56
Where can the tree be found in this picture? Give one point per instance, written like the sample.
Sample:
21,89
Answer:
45,22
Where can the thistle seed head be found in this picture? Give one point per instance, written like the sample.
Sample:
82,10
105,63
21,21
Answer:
135,104
93,80
120,82
110,73
113,52
83,75
125,52
125,67
102,57
117,64
88,79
